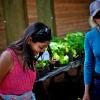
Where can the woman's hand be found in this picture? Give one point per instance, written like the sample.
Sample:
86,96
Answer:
1,98
53,61
86,97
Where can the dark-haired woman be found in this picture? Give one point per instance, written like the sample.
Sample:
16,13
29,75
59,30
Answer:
17,63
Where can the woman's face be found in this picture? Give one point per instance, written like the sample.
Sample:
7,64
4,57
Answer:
38,47
97,17
97,20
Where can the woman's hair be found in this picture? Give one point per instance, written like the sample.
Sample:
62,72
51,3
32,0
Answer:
92,22
39,32
97,15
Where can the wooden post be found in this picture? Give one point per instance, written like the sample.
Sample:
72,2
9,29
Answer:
45,13
2,29
14,19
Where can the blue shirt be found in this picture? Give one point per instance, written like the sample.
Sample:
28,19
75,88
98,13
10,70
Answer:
92,54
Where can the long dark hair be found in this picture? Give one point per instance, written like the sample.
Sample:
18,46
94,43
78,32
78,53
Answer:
39,32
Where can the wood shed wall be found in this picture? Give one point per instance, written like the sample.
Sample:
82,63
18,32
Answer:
71,15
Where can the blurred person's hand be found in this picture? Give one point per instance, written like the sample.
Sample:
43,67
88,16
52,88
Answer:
53,61
1,98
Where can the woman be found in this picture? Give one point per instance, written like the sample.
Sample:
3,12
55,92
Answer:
92,55
17,63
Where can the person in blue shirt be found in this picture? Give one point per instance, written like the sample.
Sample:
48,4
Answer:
44,56
92,55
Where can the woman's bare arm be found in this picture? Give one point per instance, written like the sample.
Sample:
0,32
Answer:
5,64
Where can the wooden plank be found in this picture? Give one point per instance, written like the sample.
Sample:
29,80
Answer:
31,11
73,64
15,19
72,1
45,12
71,16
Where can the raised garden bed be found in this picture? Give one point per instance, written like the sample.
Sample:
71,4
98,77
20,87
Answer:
65,74
57,70
64,51
62,83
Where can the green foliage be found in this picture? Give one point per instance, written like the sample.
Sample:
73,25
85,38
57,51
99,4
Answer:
76,41
42,64
72,43
64,50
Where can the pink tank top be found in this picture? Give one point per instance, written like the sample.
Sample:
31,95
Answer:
17,81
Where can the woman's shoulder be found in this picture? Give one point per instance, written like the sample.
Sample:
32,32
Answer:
92,32
6,55
5,60
5,64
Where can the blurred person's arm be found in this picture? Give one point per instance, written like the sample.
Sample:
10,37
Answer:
86,95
